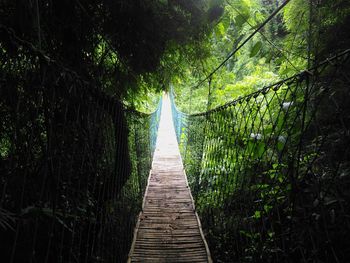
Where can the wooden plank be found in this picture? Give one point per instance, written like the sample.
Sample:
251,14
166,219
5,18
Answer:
168,228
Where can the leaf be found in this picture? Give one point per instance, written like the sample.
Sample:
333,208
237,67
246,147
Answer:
279,124
257,149
280,146
220,29
239,20
269,58
256,48
267,208
257,214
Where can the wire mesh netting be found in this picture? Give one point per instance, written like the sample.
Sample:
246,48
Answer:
269,172
73,164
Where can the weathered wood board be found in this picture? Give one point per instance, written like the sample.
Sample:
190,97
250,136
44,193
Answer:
168,229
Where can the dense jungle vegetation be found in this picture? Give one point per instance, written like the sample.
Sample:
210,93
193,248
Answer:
75,153
303,34
269,169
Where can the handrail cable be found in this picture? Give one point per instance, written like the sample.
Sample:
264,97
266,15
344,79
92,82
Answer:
308,71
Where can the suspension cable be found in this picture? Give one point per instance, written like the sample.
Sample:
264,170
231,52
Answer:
273,14
309,71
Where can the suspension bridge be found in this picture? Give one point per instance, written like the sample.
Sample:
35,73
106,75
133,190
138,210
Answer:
168,229
247,162
84,178
243,160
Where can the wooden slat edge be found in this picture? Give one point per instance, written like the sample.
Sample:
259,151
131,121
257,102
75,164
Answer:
198,220
134,238
145,195
136,230
203,238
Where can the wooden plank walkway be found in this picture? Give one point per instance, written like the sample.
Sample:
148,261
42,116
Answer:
168,228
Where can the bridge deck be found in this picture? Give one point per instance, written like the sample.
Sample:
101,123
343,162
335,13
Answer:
168,229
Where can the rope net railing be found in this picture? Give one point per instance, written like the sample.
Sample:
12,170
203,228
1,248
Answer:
269,171
73,163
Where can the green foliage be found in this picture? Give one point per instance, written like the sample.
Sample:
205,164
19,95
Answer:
279,50
74,162
118,44
269,173
256,48
266,159
256,174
